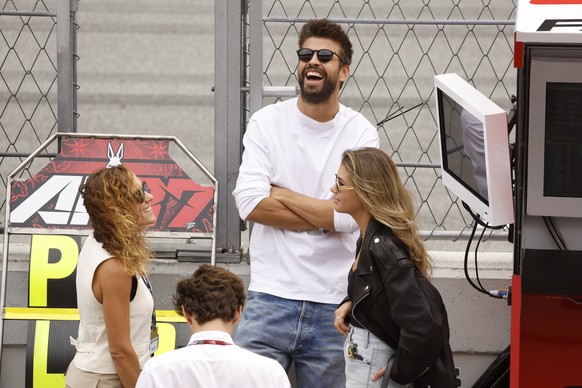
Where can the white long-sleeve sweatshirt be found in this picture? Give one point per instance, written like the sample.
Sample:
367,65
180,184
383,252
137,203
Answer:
286,148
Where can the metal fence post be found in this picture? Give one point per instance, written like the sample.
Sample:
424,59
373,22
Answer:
255,56
227,122
65,65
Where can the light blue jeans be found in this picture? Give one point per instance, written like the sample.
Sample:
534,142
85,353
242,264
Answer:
365,354
292,330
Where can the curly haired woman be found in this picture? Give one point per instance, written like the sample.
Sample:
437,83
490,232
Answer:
394,318
116,306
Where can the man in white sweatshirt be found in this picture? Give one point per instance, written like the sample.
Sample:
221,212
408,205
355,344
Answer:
300,248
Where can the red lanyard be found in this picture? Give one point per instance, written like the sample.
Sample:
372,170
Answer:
208,342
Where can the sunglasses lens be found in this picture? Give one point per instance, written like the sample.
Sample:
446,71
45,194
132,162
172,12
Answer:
305,54
139,196
324,55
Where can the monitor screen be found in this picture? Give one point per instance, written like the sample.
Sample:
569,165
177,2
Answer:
464,146
474,149
554,134
563,140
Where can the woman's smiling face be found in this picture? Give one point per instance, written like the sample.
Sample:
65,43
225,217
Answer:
345,199
143,208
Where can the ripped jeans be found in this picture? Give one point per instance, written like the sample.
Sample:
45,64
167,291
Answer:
365,354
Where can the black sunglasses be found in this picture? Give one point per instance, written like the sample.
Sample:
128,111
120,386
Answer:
140,194
323,55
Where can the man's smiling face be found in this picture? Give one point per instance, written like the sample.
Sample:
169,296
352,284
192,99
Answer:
318,81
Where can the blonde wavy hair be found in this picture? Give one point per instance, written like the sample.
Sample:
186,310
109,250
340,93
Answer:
375,179
109,199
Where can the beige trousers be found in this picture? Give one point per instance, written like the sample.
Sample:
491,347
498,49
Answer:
77,378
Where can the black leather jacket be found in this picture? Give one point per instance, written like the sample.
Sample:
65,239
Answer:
396,303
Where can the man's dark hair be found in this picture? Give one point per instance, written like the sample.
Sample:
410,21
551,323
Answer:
210,293
323,28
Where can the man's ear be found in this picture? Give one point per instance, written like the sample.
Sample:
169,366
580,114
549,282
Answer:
237,315
188,317
344,72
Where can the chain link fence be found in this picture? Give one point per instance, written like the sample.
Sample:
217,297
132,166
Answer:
28,81
398,47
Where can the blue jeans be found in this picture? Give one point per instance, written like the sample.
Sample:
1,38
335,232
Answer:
365,354
291,330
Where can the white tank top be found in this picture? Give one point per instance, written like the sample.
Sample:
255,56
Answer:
92,345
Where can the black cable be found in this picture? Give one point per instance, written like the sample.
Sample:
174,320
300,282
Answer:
476,265
466,266
550,231
554,233
574,300
390,116
477,221
394,114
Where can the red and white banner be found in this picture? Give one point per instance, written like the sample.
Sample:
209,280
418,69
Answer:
51,198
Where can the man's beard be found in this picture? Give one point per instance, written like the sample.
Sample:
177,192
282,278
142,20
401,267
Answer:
318,96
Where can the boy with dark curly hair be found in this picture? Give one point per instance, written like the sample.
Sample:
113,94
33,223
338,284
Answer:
211,300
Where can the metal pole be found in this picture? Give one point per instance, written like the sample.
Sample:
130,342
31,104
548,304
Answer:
4,270
227,121
379,22
64,66
74,59
256,56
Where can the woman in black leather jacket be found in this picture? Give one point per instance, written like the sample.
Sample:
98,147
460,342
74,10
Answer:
394,319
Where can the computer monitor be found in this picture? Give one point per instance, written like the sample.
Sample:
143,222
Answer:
474,149
554,161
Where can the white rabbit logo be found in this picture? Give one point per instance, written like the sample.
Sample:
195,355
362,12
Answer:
114,158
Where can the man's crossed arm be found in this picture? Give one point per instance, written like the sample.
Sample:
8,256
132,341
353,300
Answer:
287,209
